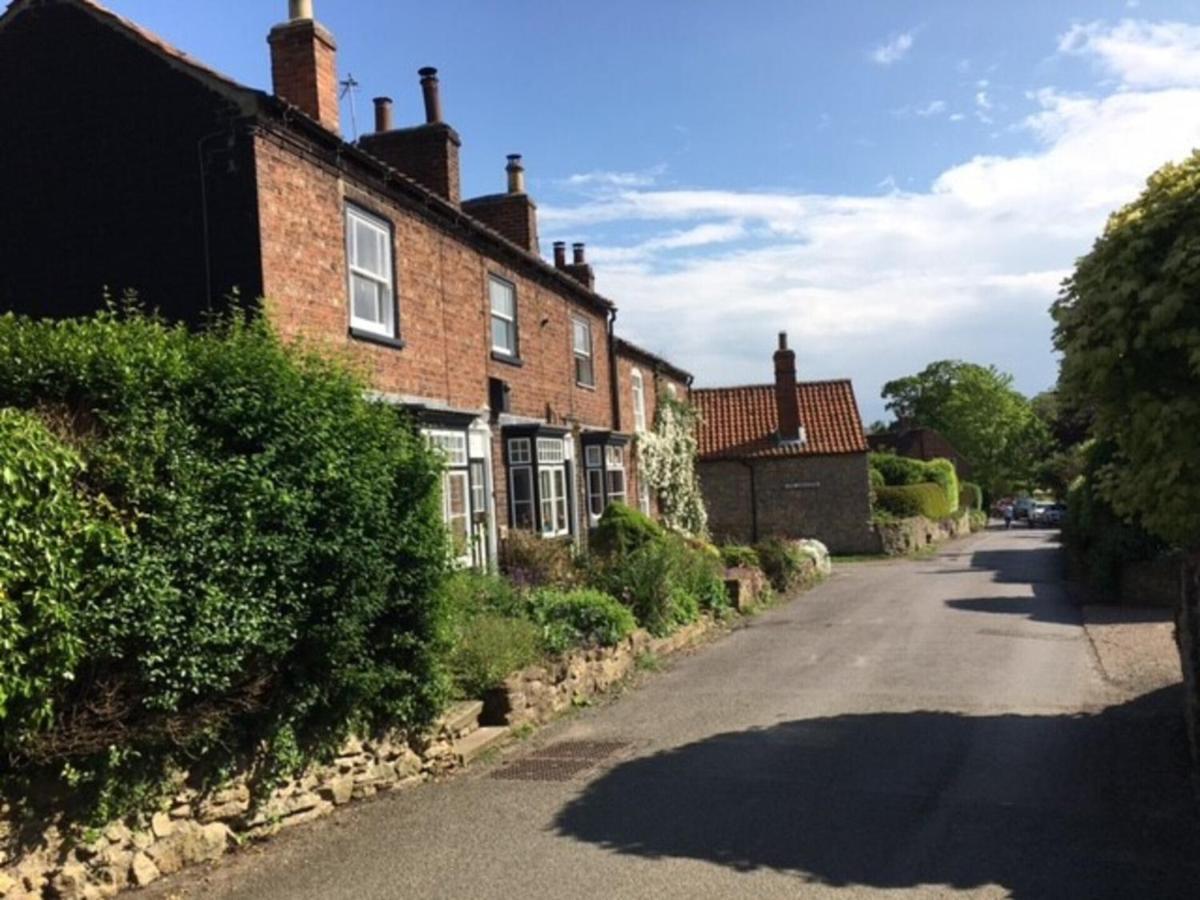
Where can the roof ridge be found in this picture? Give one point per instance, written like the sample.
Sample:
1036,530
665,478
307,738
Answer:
770,385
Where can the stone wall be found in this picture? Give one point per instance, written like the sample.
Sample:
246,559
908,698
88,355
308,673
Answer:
906,536
541,692
69,862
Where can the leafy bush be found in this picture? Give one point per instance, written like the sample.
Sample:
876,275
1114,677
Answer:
623,529
783,562
487,648
468,593
533,561
928,500
942,473
579,618
737,555
898,470
663,581
979,520
1128,326
277,581
876,478
971,496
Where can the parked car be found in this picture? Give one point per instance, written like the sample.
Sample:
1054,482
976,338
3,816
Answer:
1046,515
1023,507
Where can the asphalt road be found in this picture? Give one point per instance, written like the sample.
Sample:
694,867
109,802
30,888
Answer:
926,728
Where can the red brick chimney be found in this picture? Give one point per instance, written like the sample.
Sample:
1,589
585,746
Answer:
513,213
578,268
787,402
427,153
304,64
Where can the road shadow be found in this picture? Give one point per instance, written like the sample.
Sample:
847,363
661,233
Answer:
1043,806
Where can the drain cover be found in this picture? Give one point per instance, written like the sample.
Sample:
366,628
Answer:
1028,635
559,762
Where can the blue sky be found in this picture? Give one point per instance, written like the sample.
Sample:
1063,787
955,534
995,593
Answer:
891,182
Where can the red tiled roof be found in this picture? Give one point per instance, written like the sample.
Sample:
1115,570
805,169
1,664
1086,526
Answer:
742,422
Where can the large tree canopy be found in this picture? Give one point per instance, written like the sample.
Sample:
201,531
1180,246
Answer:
1128,326
978,410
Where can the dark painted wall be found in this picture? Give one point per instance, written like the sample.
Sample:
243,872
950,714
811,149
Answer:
100,175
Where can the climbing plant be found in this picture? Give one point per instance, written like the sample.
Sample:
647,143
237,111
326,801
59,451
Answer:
667,460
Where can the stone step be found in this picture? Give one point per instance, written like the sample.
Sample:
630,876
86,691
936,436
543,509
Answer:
478,742
462,718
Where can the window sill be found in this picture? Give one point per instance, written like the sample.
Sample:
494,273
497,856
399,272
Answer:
508,360
585,387
371,337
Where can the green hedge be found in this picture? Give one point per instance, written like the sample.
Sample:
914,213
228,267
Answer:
907,500
971,495
224,546
900,471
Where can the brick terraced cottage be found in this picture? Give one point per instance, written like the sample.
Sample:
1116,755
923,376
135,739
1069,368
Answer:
642,378
787,459
130,166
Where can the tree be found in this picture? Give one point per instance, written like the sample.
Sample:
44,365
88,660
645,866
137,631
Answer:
980,413
1128,326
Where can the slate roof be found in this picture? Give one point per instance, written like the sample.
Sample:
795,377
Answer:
633,351
742,422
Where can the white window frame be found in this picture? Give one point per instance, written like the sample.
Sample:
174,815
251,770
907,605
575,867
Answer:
519,452
553,507
465,557
639,400
451,444
672,391
510,319
614,465
385,280
588,353
513,502
643,495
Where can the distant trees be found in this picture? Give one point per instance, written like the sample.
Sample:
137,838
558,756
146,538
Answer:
979,411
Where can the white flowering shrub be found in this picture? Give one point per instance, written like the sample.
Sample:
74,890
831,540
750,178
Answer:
818,553
667,460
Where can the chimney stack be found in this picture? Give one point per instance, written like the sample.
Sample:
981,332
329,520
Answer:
426,153
786,401
578,268
383,115
304,64
433,99
516,174
560,254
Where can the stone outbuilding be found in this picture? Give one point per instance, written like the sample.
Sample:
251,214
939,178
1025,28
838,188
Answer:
787,459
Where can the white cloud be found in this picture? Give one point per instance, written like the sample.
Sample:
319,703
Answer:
894,50
644,178
876,286
932,108
1141,54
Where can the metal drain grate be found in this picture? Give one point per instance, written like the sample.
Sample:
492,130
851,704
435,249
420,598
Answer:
1028,635
560,762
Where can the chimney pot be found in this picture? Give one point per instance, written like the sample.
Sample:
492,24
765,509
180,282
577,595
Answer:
429,88
783,340
299,10
383,114
516,174
577,250
560,254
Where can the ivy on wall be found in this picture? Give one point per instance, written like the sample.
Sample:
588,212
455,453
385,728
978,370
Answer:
667,460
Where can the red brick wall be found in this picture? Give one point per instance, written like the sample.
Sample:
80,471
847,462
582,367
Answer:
445,312
304,69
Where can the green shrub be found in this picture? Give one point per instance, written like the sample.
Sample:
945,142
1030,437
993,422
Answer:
648,581
738,555
942,473
783,562
876,478
979,520
579,618
487,648
279,580
534,561
469,593
971,495
908,500
898,470
623,529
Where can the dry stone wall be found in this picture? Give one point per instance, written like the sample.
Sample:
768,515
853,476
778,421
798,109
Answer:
909,535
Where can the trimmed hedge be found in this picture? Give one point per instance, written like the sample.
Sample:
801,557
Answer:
225,547
928,500
900,471
971,495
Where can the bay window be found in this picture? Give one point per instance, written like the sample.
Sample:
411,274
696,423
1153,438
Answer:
539,482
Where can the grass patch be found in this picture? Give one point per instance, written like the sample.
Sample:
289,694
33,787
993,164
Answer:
648,661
